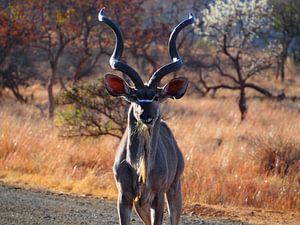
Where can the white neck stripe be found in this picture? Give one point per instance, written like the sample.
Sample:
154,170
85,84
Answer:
145,100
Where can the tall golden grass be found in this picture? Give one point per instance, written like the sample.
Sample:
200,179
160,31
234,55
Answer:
253,163
32,153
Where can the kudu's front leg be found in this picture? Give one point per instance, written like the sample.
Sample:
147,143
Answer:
157,209
124,209
125,180
174,202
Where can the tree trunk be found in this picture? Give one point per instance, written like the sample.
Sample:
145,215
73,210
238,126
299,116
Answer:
282,69
17,94
51,100
243,103
277,69
62,83
282,59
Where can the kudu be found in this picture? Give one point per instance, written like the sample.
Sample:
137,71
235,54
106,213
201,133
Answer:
148,162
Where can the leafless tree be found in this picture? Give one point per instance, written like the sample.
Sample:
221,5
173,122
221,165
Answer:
235,52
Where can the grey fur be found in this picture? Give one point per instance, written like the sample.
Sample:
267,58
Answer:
164,164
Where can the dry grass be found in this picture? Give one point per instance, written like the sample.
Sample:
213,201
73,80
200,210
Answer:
254,163
228,162
32,153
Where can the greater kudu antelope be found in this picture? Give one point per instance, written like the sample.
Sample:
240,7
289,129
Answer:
148,162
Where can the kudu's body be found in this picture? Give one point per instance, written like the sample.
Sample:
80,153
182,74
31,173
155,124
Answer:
148,162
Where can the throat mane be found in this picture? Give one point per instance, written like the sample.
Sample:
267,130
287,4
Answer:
143,158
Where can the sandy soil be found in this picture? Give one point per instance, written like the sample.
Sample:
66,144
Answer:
30,206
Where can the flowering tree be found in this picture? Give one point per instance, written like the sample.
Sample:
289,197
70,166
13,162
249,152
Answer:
240,47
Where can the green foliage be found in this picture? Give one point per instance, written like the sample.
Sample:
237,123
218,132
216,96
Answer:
202,43
286,20
87,110
139,127
286,16
62,17
14,12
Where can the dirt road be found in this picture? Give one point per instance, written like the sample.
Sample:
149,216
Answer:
27,206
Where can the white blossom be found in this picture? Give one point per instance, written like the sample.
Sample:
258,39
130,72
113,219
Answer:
240,21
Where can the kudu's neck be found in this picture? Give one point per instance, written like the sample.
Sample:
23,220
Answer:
142,140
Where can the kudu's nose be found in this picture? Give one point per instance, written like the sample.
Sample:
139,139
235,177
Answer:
147,119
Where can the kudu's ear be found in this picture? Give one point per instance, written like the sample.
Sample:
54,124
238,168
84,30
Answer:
116,86
176,88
